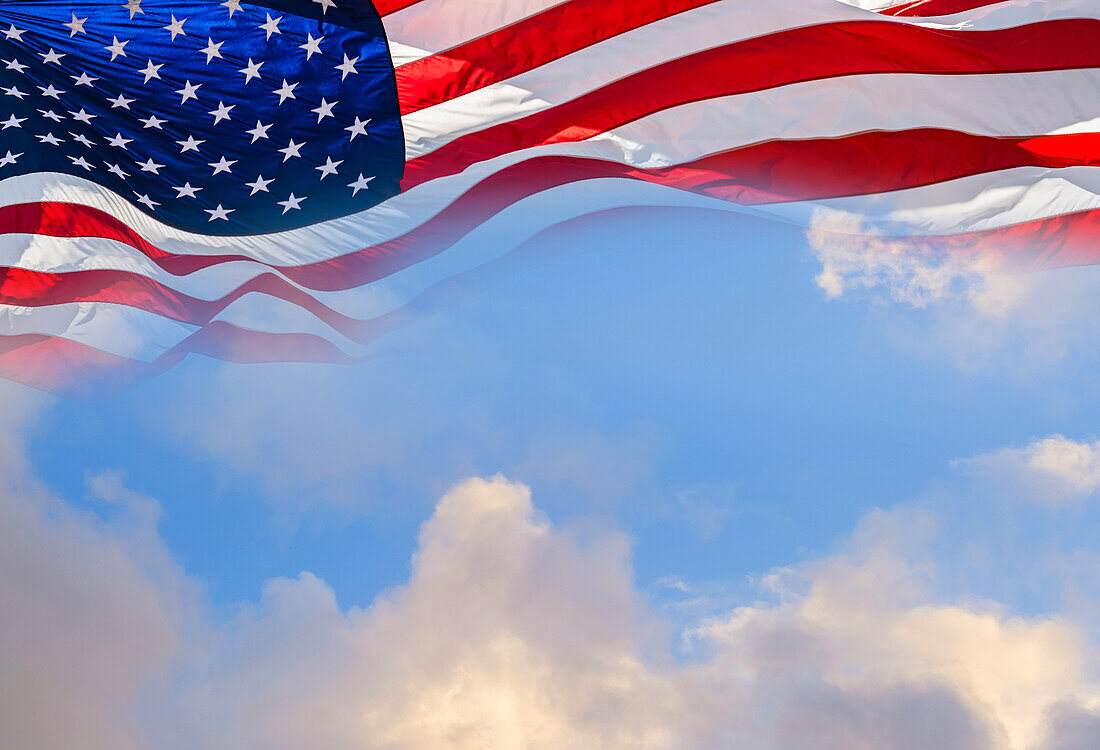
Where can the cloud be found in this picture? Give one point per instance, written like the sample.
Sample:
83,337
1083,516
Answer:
1052,471
316,439
509,634
91,610
854,259
857,654
513,633
979,310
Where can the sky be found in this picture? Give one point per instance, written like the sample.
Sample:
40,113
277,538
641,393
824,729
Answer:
676,479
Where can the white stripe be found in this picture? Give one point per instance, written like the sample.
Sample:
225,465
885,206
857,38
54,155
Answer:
123,331
437,25
975,203
136,334
587,70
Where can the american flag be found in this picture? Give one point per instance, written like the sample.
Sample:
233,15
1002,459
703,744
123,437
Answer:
276,180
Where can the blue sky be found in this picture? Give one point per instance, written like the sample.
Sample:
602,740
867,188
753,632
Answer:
680,377
718,455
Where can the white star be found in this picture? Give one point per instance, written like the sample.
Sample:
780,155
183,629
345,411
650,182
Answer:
188,91
49,114
233,5
50,138
150,71
291,203
17,35
12,122
348,67
52,57
190,144
119,141
186,191
116,48
134,6
121,101
83,79
329,167
84,117
76,26
223,165
82,140
359,127
271,26
286,92
219,212
51,92
363,183
152,121
175,28
16,92
312,46
15,65
260,185
10,158
252,70
212,50
222,112
292,149
145,199
260,131
116,169
325,5
80,162
151,166
325,110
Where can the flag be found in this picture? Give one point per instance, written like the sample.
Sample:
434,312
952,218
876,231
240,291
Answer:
277,180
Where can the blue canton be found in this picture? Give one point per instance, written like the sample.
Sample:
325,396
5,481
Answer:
225,118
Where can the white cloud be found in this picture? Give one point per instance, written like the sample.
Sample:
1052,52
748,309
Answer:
855,259
91,610
1053,470
509,634
866,657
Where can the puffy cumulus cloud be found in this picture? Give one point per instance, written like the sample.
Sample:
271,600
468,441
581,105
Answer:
513,634
1053,470
91,610
975,308
509,634
856,654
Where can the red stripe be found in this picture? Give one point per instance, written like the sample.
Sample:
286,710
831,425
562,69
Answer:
794,56
76,370
771,172
386,7
929,8
61,366
28,288
526,45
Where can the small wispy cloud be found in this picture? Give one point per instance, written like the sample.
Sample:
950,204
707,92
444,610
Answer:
977,309
1054,470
